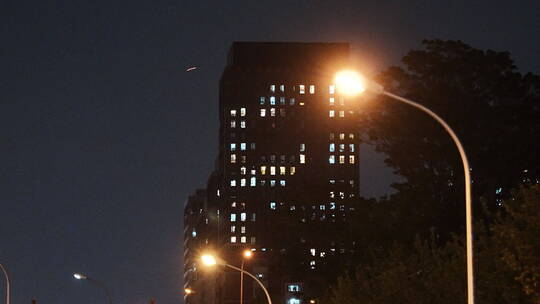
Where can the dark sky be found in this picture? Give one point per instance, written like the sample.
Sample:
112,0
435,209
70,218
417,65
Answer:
103,134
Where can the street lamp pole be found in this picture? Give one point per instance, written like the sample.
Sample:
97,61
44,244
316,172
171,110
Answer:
352,83
468,195
245,255
255,278
7,282
209,260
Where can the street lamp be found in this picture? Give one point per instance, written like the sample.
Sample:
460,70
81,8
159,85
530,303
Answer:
352,83
245,255
209,260
188,291
80,276
7,282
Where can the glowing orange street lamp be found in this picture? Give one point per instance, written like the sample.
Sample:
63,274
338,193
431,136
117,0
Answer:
352,83
245,255
210,261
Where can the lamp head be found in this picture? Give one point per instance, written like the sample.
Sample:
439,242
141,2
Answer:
247,253
208,260
188,291
79,276
350,83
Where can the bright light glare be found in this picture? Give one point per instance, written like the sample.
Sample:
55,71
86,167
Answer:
188,291
350,83
208,260
79,276
247,253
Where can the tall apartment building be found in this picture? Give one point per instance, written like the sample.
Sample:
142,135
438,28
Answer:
287,174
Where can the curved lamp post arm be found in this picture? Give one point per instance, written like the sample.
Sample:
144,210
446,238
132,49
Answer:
468,199
7,282
101,285
255,278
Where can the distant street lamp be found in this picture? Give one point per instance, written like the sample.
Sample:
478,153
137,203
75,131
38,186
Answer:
80,276
245,255
188,291
7,282
352,83
209,260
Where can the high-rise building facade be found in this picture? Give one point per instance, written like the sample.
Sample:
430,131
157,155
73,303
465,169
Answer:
287,175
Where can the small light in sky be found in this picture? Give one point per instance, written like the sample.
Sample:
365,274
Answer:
193,68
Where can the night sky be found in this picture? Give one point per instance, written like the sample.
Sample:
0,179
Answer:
103,134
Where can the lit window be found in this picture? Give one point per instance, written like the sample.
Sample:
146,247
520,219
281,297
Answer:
273,205
292,170
243,146
242,239
242,229
243,170
302,158
272,183
332,159
282,170
332,194
233,113
351,135
262,100
272,170
351,159
332,206
331,89
272,111
322,254
322,207
233,204
302,147
351,147
233,158
253,181
301,103
293,288
272,100
233,217
331,113
312,251
282,100
332,147
242,182
263,112
233,123
263,170
253,217
332,100
332,181
233,147
282,88
233,239
233,229
302,89
342,159
311,89
342,136
252,146
242,217
243,124
331,136
341,113
253,171
292,101
242,111
341,147
292,208
282,183
312,263
233,183
272,87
